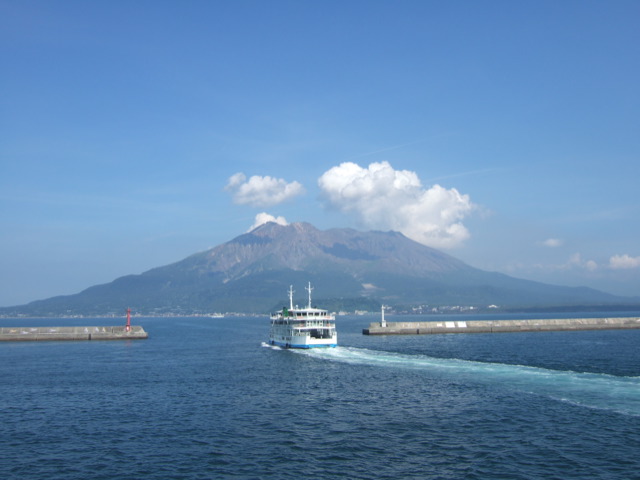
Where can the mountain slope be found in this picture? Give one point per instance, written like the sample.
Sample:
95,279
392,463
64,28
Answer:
252,272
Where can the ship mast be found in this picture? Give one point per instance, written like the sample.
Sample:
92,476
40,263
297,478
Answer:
290,297
308,289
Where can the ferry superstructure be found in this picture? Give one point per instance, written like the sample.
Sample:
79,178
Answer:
308,327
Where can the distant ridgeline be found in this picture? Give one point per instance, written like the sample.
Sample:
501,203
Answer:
354,270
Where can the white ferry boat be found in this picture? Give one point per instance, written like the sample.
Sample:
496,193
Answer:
308,327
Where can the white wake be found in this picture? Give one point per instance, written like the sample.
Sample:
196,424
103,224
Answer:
593,390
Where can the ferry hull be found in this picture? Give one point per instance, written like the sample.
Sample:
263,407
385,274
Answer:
303,341
303,345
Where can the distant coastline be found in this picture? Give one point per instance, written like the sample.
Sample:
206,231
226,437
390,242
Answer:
397,311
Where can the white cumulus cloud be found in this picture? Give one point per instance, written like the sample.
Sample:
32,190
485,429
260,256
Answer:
260,191
387,199
576,260
618,262
552,242
264,217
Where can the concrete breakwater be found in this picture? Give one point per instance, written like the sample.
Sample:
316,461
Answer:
72,333
498,326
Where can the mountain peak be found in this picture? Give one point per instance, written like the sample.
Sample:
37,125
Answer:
301,246
274,229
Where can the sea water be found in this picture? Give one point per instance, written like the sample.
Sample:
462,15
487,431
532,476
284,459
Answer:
208,398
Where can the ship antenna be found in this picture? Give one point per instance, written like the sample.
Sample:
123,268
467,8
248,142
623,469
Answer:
290,297
308,289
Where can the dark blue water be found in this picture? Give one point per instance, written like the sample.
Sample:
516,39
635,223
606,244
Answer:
206,399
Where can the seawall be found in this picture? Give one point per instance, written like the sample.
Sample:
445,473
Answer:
71,333
499,326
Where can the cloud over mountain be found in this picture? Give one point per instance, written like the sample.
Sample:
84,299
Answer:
576,261
260,191
618,262
264,217
381,197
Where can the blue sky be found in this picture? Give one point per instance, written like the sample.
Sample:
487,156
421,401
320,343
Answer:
135,133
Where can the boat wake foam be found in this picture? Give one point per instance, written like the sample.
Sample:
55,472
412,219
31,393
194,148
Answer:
591,390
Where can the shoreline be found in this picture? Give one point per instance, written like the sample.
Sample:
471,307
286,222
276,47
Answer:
501,326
